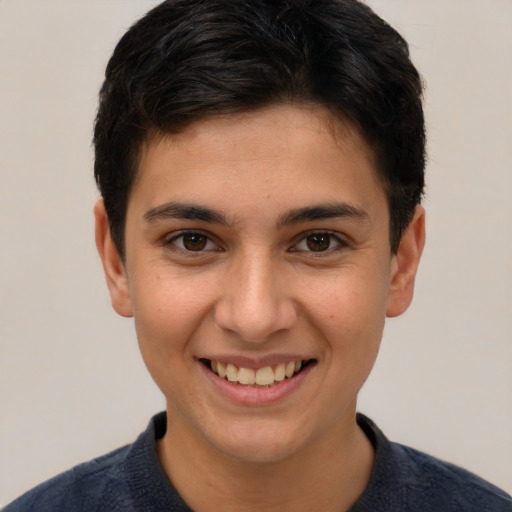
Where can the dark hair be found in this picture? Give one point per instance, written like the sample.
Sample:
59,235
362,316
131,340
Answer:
189,59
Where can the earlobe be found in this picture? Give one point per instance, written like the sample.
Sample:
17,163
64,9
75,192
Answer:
405,265
113,266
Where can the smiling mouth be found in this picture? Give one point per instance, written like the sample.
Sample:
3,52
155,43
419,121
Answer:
266,376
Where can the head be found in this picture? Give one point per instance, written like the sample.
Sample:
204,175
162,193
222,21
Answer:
260,164
190,60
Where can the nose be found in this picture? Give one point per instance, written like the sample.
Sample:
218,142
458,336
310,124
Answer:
255,301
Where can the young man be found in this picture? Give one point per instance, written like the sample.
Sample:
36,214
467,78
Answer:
261,171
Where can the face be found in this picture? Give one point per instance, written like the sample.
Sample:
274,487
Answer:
259,273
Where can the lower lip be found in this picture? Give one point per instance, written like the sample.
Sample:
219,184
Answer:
256,396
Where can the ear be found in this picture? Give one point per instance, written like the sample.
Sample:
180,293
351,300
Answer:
113,266
405,264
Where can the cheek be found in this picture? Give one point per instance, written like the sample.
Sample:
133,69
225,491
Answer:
167,310
351,312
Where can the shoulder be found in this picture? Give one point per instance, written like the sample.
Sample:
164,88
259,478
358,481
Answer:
445,486
405,479
95,485
125,480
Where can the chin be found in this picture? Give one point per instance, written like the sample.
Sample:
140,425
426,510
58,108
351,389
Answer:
259,453
259,444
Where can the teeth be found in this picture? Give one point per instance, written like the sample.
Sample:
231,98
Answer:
290,369
265,376
232,372
279,372
246,376
221,370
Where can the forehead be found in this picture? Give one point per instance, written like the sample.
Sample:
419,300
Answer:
289,153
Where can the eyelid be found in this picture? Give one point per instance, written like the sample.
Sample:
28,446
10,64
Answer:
168,241
341,242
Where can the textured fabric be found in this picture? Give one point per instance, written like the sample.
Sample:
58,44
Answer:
406,480
131,479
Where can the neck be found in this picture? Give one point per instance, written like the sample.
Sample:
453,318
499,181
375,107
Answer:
330,474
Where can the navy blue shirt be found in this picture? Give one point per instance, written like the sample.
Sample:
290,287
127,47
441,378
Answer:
131,479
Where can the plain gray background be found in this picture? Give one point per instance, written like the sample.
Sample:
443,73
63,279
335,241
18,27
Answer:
72,384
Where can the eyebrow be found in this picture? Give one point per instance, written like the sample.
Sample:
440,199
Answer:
172,210
324,211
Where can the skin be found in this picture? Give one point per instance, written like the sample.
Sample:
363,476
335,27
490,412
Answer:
261,287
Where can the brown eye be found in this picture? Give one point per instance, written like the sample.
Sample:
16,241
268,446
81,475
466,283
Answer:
318,242
191,243
195,241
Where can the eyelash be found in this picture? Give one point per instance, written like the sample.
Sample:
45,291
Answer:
171,242
339,243
333,239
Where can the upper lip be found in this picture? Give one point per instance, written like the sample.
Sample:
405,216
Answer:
255,362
